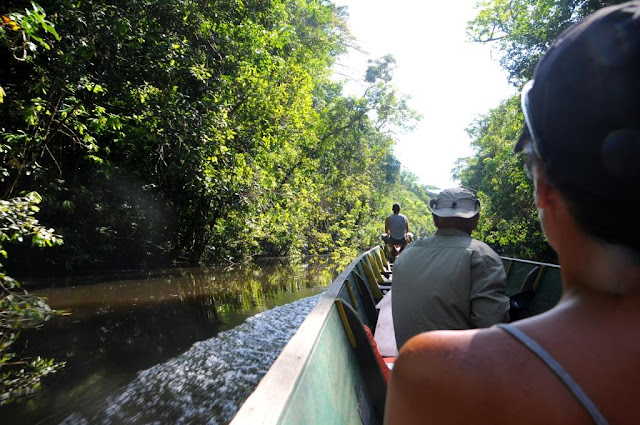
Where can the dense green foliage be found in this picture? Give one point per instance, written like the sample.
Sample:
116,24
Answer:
196,131
520,31
20,310
509,220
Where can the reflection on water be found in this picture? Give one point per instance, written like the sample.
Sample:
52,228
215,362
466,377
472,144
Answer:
118,328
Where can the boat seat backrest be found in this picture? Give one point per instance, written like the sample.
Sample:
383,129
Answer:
369,278
371,365
383,258
378,271
522,301
368,302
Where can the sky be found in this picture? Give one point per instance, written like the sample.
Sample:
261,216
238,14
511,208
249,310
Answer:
451,81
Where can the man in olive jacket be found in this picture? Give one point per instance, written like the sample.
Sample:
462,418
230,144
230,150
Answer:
450,280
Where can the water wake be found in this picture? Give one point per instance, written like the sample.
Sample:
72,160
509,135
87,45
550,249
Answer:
208,383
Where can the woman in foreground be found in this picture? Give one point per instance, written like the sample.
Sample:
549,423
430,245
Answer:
578,363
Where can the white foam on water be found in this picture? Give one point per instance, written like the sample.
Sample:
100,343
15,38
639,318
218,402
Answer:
208,383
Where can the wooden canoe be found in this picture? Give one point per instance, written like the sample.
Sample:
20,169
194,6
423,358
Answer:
326,373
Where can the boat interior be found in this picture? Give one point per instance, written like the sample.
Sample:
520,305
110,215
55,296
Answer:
331,371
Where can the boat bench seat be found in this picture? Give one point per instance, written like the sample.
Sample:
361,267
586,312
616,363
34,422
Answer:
374,369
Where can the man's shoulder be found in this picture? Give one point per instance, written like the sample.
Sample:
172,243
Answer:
445,238
484,250
422,242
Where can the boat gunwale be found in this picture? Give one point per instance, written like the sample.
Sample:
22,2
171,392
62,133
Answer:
269,400
536,263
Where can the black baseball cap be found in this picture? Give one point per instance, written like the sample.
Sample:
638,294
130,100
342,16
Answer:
583,106
582,114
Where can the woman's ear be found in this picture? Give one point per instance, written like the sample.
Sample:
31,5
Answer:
551,208
544,194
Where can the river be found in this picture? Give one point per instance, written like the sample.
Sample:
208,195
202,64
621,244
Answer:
171,346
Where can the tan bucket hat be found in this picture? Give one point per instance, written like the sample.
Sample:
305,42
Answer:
455,202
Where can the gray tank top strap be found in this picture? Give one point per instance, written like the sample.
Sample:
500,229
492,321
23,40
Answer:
572,385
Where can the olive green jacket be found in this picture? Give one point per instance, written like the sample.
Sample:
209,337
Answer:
447,281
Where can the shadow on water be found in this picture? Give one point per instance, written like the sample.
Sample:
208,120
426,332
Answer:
119,328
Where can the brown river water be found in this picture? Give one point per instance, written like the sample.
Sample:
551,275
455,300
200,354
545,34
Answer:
167,346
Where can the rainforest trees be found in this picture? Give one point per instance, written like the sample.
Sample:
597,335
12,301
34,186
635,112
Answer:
191,131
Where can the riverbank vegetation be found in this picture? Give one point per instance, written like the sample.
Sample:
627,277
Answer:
19,310
190,132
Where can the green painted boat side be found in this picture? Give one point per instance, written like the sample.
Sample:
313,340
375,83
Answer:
317,378
546,279
328,397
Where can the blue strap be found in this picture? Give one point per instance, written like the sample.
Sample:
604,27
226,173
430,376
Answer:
572,385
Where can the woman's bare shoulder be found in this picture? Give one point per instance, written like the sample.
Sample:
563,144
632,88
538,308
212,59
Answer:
448,374
453,354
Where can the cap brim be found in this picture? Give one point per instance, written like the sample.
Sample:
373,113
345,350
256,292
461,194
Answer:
453,212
